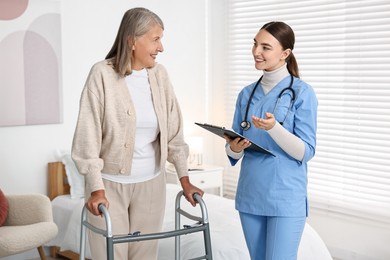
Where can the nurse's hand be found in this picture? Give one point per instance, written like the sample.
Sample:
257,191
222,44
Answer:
266,123
237,144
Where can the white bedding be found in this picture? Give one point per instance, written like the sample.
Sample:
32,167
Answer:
227,239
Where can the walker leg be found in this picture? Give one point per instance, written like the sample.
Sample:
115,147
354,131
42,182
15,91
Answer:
110,248
83,235
207,243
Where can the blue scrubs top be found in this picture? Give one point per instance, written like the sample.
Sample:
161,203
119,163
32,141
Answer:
276,185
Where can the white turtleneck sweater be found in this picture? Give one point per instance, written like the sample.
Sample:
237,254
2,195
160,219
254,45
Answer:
289,142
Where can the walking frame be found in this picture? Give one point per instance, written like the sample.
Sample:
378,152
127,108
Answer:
202,225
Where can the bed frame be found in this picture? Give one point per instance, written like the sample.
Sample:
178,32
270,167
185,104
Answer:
58,185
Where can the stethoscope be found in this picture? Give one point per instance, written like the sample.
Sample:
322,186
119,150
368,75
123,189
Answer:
245,124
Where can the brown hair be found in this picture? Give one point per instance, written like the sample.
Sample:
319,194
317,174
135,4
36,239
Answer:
285,35
135,23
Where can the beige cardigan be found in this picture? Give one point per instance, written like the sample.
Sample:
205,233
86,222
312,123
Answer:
105,131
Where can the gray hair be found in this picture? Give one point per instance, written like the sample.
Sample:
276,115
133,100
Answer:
135,23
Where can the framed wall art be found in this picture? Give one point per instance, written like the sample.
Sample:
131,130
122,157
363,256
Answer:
30,62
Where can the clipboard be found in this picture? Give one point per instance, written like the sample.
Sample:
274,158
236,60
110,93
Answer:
221,131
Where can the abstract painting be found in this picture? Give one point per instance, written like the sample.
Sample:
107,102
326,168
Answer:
30,62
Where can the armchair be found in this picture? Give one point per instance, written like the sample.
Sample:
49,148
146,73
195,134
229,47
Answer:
29,224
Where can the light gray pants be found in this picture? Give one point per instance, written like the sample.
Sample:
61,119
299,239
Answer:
133,207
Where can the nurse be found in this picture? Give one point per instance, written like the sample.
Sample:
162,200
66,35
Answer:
278,112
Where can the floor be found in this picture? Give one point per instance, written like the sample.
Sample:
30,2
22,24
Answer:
48,257
29,257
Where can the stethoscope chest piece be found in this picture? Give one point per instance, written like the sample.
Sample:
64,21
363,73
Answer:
245,124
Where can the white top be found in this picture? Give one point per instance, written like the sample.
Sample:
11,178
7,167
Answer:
145,164
271,78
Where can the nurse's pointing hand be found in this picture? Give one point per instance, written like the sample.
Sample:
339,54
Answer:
266,123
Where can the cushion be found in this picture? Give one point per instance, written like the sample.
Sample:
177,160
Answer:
75,179
3,208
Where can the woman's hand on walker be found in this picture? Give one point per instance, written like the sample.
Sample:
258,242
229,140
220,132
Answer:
189,190
97,197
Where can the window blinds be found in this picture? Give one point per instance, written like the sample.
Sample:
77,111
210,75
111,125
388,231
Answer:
343,51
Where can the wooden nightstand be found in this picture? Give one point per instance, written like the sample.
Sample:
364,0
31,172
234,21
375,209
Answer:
206,177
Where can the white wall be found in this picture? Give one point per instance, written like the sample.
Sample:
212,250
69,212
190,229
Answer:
88,31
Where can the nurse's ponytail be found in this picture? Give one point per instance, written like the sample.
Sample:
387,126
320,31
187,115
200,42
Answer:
292,65
285,35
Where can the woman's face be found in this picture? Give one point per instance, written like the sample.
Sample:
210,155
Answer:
267,52
146,48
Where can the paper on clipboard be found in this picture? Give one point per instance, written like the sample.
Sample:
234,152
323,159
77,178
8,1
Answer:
221,131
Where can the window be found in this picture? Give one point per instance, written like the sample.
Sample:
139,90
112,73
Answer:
343,51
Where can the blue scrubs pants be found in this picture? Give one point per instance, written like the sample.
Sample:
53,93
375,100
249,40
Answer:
272,238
